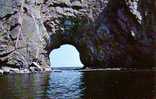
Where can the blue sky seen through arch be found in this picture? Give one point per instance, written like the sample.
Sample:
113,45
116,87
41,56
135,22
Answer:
65,56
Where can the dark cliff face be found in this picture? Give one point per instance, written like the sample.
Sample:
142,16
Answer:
107,33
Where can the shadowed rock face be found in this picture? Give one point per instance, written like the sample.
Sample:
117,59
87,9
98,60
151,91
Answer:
107,33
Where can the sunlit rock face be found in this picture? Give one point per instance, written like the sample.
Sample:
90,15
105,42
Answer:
107,33
22,33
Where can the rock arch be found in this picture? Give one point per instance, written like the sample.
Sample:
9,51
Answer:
104,38
107,33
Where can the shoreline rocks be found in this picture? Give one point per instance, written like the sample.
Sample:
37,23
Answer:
9,70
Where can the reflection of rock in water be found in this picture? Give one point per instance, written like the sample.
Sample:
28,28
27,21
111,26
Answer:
25,86
80,85
120,85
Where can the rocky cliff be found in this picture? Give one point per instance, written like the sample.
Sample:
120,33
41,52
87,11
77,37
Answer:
107,33
22,34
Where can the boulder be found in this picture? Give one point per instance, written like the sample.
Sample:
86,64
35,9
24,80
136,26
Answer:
10,70
1,71
47,69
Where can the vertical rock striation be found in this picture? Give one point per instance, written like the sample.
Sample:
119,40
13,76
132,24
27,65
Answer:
22,33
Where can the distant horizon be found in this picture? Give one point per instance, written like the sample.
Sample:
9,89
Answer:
65,56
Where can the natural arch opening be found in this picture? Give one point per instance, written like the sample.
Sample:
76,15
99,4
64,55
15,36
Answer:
65,56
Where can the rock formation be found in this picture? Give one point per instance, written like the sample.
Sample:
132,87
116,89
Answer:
22,34
107,33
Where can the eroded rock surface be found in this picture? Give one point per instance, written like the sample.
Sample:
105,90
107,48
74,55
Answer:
107,33
22,33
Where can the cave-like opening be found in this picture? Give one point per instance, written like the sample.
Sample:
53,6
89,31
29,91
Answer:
65,56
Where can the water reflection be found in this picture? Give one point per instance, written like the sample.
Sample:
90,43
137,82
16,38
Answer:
65,85
120,85
23,86
80,85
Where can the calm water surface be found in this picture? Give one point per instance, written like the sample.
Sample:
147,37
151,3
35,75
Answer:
80,85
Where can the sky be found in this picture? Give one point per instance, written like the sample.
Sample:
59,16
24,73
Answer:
65,56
